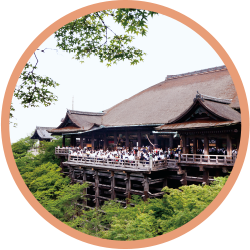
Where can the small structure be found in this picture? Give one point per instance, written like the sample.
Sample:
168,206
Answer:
42,134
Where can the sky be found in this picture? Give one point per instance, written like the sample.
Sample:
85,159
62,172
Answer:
171,48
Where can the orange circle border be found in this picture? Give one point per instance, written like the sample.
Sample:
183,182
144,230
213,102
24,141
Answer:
244,126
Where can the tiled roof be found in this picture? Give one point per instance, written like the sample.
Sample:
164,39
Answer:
166,100
195,125
82,121
163,102
42,132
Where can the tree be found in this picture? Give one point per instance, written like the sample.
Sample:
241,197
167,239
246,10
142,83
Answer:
87,36
21,147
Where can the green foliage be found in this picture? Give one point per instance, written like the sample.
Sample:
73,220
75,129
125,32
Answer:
152,218
42,176
90,35
21,147
112,221
188,202
34,89
86,36
66,206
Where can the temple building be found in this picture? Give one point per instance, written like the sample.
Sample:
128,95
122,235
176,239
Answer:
42,134
133,122
197,112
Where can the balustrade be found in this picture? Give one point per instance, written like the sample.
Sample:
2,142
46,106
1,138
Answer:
209,159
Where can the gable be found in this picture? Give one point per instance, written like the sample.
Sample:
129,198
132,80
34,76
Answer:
200,113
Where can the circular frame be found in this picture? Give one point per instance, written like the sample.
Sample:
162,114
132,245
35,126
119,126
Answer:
244,126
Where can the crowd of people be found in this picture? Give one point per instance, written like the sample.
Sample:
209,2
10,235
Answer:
143,154
121,154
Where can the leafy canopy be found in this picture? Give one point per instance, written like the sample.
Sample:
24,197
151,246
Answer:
87,36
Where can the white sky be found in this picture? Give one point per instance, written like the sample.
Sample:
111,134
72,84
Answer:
171,47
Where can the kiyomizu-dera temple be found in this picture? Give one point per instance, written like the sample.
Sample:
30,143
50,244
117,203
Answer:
183,130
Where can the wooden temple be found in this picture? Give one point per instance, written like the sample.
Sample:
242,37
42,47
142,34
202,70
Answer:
198,111
42,134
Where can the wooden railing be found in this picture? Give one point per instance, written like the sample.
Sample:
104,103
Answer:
207,159
120,163
62,151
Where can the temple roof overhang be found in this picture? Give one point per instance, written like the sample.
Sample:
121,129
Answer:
41,133
205,112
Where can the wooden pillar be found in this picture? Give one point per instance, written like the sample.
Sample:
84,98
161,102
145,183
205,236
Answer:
115,139
171,141
187,145
206,146
72,175
238,142
84,178
183,139
139,139
205,176
92,142
81,142
63,141
194,145
199,143
128,187
183,176
127,139
112,180
155,140
229,145
71,141
105,144
165,182
146,187
96,189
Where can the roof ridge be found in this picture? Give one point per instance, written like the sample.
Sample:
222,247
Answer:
197,72
84,112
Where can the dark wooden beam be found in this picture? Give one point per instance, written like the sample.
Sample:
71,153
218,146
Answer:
112,179
128,187
84,178
146,187
96,189
206,176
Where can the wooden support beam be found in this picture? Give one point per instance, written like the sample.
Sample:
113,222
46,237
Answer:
128,188
71,141
127,139
184,178
139,139
171,141
92,141
112,179
156,181
165,182
96,189
187,145
146,187
84,178
205,176
206,146
105,143
183,142
229,145
63,141
155,140
194,145
115,139
81,142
